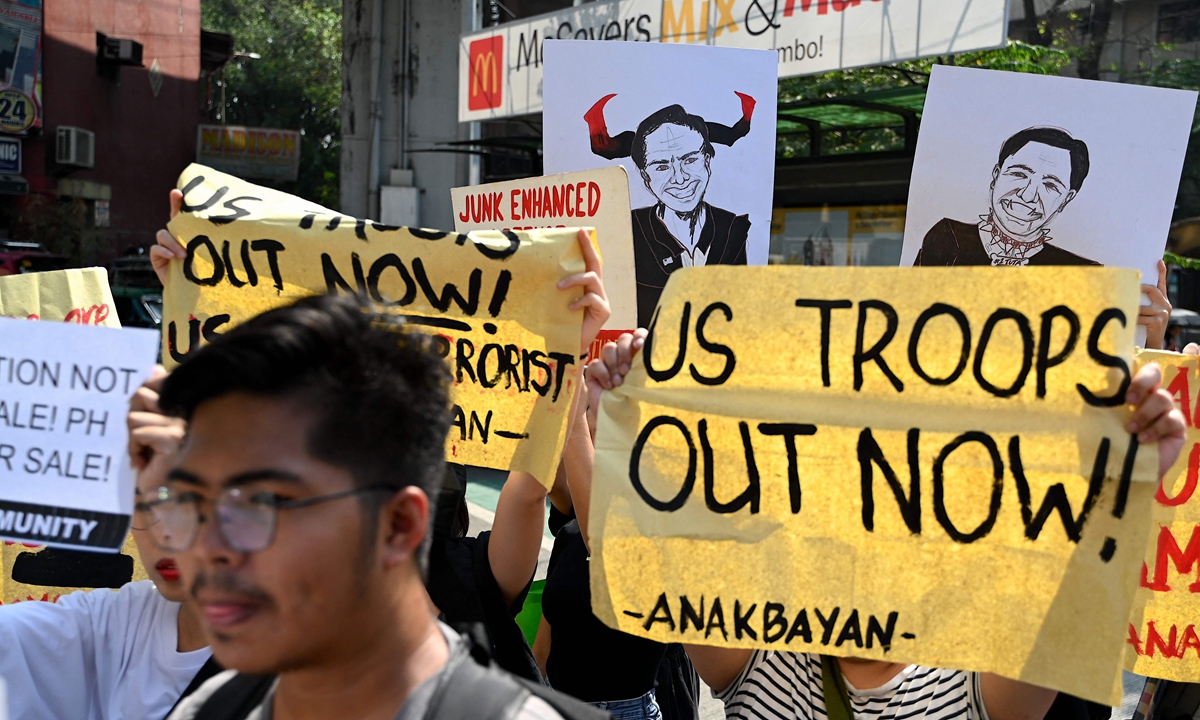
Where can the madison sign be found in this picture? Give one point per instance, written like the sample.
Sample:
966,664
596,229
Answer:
500,69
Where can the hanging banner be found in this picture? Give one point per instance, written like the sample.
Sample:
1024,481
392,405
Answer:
1162,641
924,467
500,68
490,296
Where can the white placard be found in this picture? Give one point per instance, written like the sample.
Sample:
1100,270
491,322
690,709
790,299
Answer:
723,201
65,476
1015,169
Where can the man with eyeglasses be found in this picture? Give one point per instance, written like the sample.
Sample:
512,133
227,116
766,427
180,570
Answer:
298,514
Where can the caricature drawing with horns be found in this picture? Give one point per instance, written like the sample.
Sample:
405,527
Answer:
673,151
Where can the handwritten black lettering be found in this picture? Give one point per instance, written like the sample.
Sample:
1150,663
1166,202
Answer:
914,340
875,354
789,432
1026,351
826,307
715,348
1106,360
939,487
635,463
870,455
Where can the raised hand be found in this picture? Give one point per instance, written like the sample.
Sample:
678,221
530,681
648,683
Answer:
594,302
168,248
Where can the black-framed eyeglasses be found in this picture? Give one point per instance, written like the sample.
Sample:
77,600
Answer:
246,518
143,514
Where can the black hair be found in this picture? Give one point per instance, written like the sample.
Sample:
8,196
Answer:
670,115
1053,137
379,393
453,519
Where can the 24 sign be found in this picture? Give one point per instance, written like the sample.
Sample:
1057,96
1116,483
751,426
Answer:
17,111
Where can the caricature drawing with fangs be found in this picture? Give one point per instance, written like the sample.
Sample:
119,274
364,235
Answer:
1040,171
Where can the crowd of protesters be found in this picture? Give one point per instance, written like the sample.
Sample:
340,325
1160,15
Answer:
308,554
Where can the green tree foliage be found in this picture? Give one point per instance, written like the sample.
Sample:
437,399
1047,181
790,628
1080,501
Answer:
1184,74
295,84
1016,57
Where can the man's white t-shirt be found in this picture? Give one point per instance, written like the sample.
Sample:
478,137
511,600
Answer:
99,655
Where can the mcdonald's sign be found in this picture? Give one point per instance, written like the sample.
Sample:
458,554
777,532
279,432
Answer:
484,76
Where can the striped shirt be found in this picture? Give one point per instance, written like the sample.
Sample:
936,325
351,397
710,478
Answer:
787,686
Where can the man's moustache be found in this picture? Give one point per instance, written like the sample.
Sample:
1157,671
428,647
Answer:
229,584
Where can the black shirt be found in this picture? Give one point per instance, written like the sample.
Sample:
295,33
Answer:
463,587
657,254
954,243
588,659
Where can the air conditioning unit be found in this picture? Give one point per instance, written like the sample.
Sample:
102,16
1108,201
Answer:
75,146
122,51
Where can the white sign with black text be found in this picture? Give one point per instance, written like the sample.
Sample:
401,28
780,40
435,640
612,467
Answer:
65,476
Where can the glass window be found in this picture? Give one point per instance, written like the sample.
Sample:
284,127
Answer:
840,236
1179,21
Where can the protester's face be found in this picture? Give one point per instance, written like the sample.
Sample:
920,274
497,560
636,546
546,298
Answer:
160,566
309,594
1030,187
677,170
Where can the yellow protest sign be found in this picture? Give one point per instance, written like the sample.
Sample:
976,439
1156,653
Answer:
594,198
77,295
921,466
491,298
1162,641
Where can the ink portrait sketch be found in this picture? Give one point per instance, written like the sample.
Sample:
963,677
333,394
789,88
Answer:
1015,170
693,126
673,152
1039,171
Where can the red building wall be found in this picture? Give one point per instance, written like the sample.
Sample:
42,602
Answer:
143,141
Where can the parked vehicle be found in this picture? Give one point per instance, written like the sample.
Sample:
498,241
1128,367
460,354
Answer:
25,257
136,291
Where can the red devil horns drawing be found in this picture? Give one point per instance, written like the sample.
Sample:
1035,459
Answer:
612,148
607,147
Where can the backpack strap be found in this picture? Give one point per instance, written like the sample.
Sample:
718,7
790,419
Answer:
237,698
468,689
474,687
837,696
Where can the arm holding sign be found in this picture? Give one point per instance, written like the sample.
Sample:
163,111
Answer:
168,248
1154,419
520,512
